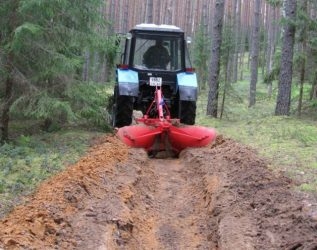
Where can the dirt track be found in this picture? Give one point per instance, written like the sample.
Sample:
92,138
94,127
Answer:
219,197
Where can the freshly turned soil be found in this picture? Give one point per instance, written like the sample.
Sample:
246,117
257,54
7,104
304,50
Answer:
218,197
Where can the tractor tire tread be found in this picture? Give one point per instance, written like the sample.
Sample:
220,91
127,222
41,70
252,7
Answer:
188,112
124,109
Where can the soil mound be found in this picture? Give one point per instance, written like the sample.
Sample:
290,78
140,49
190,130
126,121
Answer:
218,197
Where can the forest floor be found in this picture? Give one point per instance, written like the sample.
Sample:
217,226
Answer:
218,197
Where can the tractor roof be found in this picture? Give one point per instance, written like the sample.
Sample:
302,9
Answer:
155,27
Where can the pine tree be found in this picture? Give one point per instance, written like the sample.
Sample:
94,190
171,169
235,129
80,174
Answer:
212,106
7,56
302,20
42,44
272,27
286,69
255,52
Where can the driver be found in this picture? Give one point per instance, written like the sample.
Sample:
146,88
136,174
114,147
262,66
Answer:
156,56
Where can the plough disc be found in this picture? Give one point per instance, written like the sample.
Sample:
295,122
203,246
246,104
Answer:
166,137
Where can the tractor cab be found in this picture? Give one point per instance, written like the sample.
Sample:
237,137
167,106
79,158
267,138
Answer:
152,47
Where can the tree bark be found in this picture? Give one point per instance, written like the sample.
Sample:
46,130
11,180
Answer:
189,16
126,17
286,69
271,45
303,41
169,12
255,53
9,81
237,34
149,11
313,91
5,114
86,66
212,106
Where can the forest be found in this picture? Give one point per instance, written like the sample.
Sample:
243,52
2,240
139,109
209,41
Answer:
57,56
255,61
68,182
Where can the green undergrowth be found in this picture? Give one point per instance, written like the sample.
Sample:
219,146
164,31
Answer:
288,143
28,160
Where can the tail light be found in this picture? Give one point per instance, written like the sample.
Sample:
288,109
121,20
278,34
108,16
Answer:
123,66
190,70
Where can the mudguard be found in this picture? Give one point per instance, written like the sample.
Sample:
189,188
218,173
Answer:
187,85
128,81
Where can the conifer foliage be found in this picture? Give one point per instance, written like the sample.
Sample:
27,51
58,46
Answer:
41,54
52,50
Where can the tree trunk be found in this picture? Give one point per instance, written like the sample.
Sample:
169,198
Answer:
237,34
9,82
247,21
286,69
271,45
242,54
189,16
313,92
149,11
229,52
203,70
212,106
303,41
5,117
86,66
126,17
169,12
225,87
255,53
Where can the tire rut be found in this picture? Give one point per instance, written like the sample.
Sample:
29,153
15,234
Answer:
220,197
176,209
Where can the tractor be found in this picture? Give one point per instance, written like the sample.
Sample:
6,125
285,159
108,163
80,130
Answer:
137,77
155,76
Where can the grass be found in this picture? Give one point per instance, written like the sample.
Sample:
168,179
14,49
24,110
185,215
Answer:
289,143
28,160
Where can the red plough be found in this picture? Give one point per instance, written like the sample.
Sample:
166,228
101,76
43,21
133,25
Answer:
163,133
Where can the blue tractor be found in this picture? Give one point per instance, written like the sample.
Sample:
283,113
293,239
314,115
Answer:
154,56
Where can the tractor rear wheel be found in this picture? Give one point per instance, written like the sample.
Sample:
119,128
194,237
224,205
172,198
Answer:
187,112
122,110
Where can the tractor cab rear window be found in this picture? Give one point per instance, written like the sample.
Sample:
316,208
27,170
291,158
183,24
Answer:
159,53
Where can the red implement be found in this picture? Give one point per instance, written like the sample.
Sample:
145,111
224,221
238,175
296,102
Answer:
166,137
163,133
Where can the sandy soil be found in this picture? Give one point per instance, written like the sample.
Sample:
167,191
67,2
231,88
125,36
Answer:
219,197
